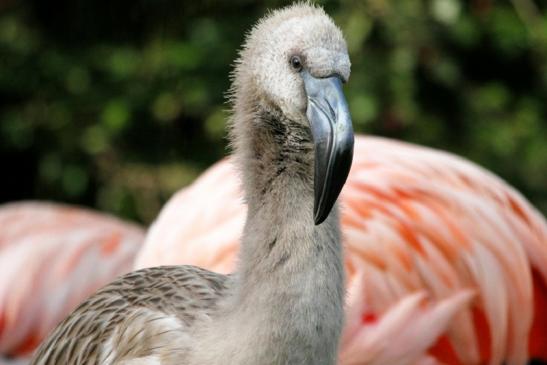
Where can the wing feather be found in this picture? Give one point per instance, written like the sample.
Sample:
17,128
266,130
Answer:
144,314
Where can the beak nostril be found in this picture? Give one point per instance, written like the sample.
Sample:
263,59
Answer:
332,111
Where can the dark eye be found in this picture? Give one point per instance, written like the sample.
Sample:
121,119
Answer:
296,63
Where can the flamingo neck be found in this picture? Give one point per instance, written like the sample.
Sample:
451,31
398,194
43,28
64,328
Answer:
287,302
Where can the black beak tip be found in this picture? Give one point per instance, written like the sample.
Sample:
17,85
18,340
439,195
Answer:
335,181
319,218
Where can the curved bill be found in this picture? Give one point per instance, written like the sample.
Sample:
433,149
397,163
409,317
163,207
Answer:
332,132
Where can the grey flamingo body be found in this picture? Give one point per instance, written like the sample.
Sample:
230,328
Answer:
293,142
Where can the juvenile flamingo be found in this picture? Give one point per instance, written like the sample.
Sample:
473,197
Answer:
293,140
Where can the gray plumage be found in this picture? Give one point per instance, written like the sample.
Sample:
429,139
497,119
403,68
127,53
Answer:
284,304
132,316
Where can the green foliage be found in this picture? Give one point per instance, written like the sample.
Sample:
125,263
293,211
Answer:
118,105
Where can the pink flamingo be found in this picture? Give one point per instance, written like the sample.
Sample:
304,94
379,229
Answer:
53,256
446,263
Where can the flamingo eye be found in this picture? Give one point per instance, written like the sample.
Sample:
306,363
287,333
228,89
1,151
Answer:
296,63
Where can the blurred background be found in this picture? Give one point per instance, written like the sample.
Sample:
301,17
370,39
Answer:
118,104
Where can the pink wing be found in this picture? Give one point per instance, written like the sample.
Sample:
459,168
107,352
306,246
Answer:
51,258
445,261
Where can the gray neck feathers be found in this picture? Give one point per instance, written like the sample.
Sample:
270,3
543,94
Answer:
290,273
268,147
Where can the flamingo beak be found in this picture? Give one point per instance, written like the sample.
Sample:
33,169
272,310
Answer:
332,132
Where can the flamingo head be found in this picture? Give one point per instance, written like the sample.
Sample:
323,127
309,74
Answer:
292,67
